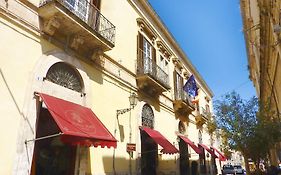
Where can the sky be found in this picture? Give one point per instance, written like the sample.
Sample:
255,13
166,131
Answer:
211,34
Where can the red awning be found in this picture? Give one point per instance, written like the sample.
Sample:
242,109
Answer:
191,144
79,125
221,156
208,149
168,148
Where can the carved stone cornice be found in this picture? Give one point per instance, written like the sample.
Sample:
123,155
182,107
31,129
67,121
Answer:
164,49
185,74
76,41
147,29
177,63
98,58
51,25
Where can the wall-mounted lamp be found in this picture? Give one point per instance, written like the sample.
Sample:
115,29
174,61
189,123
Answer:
133,102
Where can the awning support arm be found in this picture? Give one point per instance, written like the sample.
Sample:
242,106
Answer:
44,137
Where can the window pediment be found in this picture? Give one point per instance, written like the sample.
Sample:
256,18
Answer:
164,49
147,29
177,63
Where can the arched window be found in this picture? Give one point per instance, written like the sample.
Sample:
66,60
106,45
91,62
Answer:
147,116
66,76
181,128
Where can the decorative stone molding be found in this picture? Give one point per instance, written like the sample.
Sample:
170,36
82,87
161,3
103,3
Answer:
96,54
147,29
164,49
76,41
51,25
207,99
177,63
98,58
185,74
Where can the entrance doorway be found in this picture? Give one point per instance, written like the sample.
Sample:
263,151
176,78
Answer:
183,148
149,149
194,168
148,155
184,158
51,156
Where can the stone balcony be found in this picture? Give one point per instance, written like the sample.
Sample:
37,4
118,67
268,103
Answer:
151,79
77,24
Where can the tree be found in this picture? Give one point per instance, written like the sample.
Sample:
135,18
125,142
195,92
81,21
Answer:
249,127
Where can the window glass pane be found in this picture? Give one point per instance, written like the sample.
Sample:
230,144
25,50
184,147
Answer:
146,48
66,76
71,2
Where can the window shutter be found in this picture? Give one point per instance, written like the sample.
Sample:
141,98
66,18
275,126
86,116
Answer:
139,53
181,89
140,41
96,3
140,45
181,82
153,54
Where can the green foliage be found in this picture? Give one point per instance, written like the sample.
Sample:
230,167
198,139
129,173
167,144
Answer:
211,125
248,127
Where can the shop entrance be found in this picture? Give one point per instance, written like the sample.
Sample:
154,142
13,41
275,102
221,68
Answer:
184,159
148,155
51,156
149,149
194,168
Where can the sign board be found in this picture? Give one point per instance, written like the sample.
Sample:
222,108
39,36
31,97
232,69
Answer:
131,147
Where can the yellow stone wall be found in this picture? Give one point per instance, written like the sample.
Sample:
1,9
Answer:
21,51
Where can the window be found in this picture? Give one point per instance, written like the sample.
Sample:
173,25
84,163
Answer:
208,108
146,49
147,116
79,7
178,81
147,56
163,63
66,76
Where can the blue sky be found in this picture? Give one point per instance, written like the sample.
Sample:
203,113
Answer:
210,33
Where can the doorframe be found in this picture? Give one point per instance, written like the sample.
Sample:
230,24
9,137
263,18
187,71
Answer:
27,128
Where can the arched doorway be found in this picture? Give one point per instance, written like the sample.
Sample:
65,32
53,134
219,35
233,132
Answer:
51,156
183,148
148,146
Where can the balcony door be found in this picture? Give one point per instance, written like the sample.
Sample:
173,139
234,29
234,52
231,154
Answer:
147,56
79,7
149,149
178,83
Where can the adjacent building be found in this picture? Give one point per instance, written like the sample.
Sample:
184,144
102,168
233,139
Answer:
262,30
96,87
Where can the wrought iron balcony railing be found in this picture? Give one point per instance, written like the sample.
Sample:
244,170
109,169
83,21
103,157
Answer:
89,14
180,94
147,66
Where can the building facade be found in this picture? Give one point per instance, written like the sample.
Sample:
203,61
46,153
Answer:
70,73
262,35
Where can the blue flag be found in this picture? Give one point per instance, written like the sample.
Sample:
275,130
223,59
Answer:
190,86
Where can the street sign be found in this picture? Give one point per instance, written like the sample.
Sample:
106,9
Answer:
131,147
